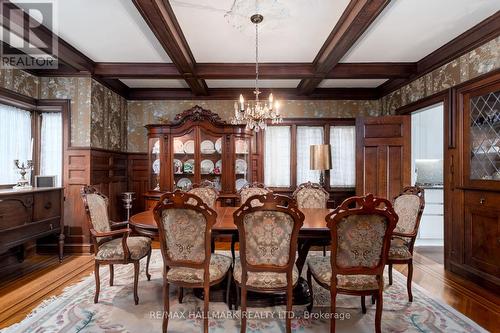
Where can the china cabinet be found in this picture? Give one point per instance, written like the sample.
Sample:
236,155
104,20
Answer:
197,146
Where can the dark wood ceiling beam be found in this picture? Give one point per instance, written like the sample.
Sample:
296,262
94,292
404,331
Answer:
357,17
161,19
137,70
481,33
374,70
231,93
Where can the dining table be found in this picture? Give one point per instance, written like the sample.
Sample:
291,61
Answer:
313,232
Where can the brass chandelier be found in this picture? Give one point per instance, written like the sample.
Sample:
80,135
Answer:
257,113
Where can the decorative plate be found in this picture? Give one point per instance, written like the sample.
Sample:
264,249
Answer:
156,167
218,167
156,147
240,183
207,147
207,167
218,145
178,147
241,166
177,166
189,147
189,166
241,146
183,183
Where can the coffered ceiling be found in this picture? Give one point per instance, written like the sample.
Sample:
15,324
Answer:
355,49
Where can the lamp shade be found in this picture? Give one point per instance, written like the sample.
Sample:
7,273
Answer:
321,157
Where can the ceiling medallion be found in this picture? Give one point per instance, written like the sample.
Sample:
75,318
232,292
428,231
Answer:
257,113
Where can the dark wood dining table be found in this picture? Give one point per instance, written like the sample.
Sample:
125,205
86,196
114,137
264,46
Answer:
313,232
313,229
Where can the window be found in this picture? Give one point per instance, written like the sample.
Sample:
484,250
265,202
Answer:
307,136
343,147
51,145
277,156
17,127
15,139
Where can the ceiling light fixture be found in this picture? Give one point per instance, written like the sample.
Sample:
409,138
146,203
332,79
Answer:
257,113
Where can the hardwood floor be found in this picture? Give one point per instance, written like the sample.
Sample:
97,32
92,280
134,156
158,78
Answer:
40,277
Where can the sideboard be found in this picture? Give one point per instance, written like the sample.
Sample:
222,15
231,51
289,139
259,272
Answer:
30,214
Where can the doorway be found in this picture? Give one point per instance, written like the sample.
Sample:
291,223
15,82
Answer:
427,153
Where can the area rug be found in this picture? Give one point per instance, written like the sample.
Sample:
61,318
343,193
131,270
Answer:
75,311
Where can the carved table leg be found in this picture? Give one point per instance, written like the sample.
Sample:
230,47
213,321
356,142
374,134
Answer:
61,247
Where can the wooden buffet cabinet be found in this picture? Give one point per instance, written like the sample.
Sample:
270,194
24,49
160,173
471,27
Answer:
473,234
196,146
30,214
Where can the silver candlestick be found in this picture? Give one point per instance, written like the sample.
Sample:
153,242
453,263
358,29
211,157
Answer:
127,198
23,182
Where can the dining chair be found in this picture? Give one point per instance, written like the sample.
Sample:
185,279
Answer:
185,228
312,195
246,192
409,206
206,191
268,244
356,266
112,244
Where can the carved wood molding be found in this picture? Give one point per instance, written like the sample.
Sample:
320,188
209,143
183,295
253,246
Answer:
197,113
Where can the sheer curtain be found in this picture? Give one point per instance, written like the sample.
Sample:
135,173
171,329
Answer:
307,136
15,141
343,146
51,146
277,156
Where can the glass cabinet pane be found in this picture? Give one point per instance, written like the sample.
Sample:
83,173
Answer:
154,158
211,151
242,162
184,160
485,137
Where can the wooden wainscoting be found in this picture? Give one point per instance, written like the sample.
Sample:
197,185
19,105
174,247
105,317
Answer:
138,172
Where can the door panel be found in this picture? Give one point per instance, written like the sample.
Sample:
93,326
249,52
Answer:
383,155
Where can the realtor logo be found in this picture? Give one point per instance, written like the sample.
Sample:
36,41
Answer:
29,39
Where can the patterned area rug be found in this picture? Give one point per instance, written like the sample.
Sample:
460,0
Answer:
74,310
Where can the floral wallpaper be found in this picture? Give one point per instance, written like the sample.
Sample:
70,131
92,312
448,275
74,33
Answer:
108,119
141,113
20,81
78,89
481,60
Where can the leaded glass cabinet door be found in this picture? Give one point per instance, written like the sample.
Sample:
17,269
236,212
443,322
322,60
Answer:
184,159
211,157
482,138
242,162
154,163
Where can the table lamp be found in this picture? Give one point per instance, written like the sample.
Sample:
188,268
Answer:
321,159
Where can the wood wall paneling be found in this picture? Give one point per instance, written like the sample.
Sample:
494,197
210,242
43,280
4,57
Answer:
138,170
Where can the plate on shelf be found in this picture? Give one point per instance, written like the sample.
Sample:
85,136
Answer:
177,166
156,147
189,166
218,145
241,166
207,147
207,167
156,167
240,183
241,146
183,183
218,167
189,147
178,147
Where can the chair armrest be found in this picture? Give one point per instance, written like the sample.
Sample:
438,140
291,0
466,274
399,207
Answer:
114,225
110,233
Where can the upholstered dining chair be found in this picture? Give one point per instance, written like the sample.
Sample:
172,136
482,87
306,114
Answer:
185,229
112,244
312,195
268,244
206,191
356,266
409,206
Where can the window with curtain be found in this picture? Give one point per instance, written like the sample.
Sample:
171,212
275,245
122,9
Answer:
343,147
51,145
307,136
15,139
277,156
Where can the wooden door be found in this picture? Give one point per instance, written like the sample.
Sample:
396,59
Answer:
383,155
